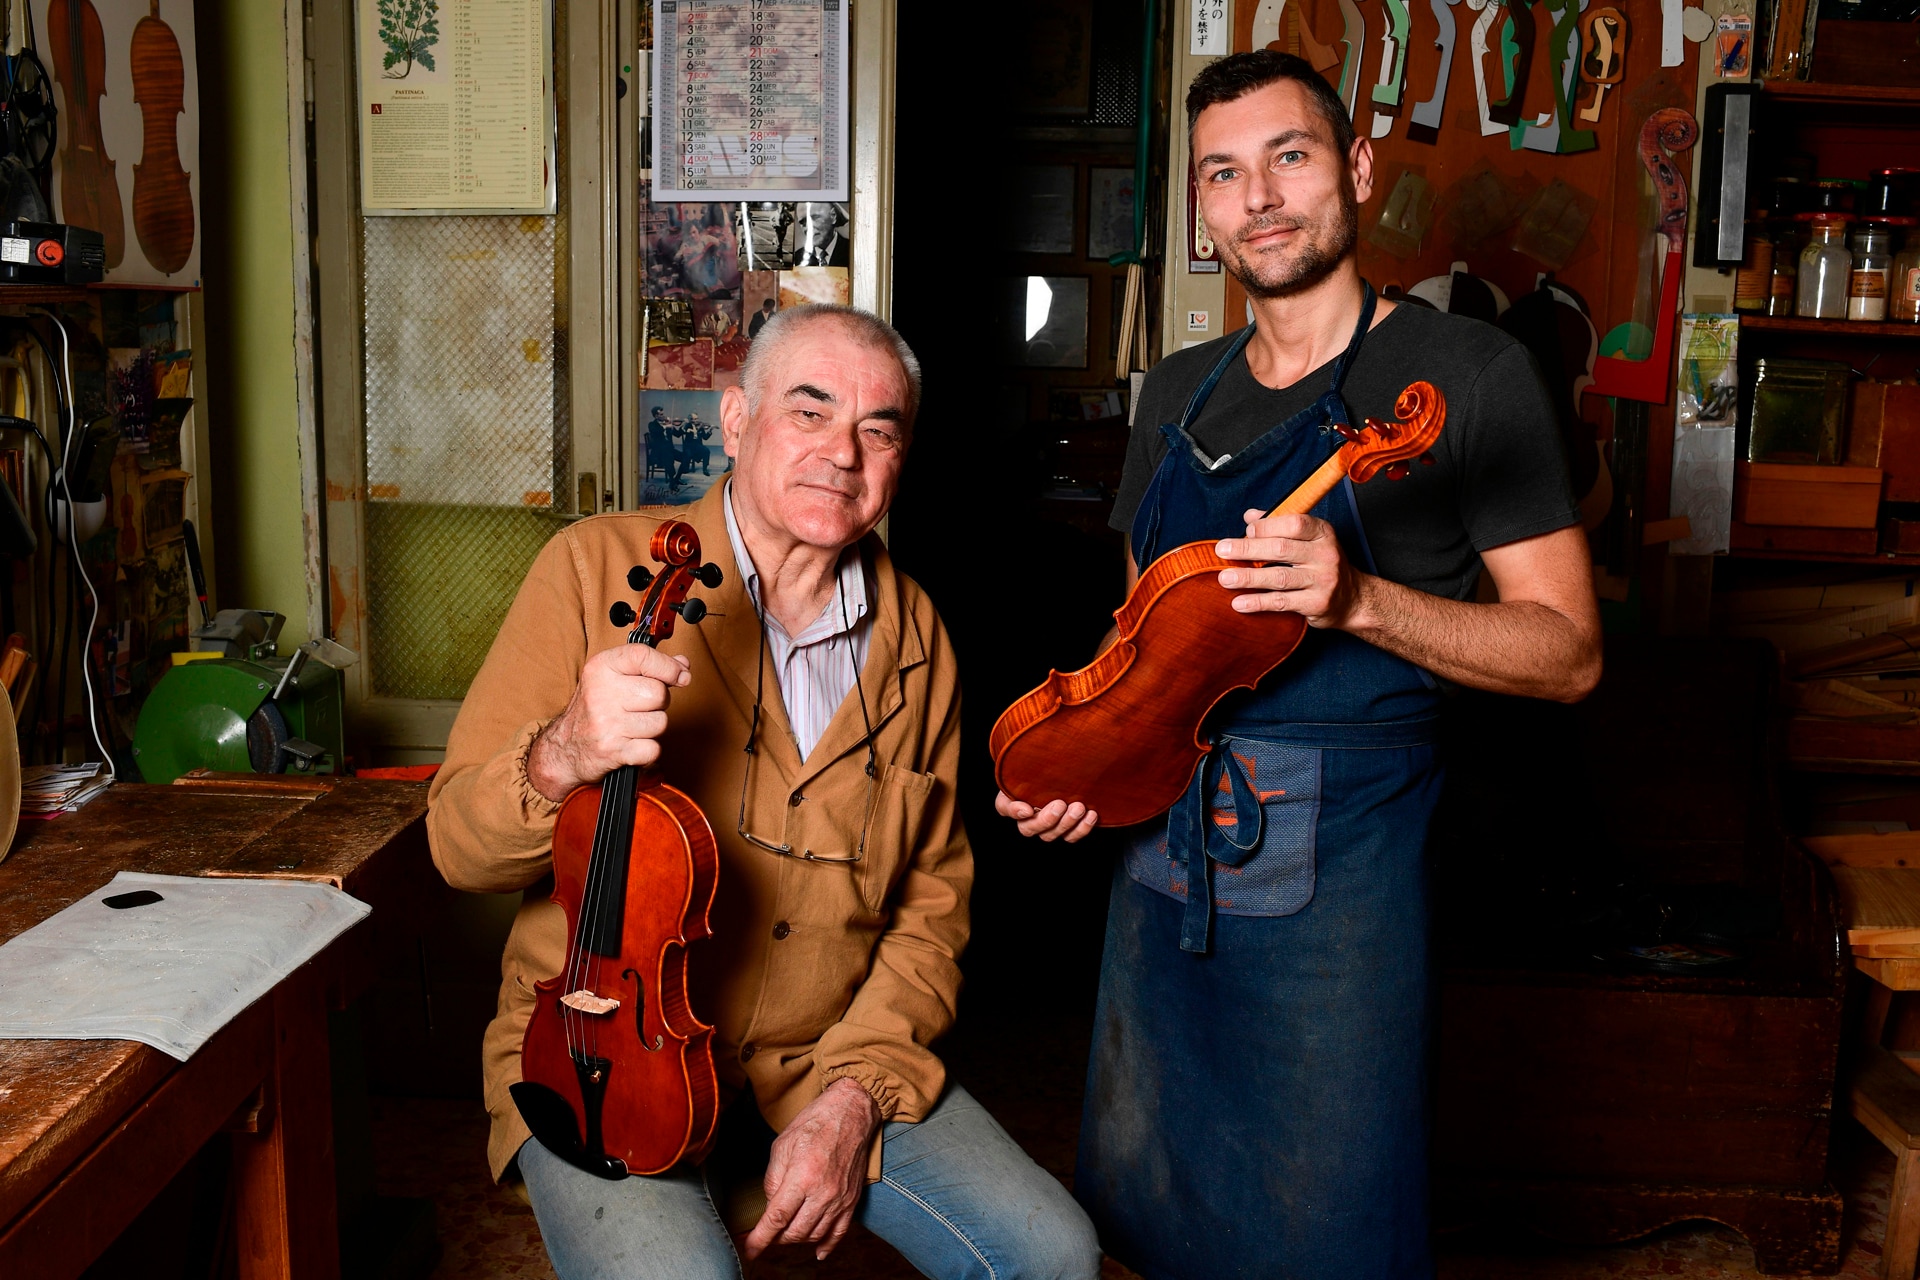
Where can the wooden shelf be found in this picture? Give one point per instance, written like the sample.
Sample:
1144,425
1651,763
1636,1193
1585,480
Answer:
1888,559
1892,330
1853,94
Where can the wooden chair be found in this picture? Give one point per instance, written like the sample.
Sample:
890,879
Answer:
1886,1099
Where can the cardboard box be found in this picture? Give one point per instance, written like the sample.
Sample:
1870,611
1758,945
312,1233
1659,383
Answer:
1884,431
1770,493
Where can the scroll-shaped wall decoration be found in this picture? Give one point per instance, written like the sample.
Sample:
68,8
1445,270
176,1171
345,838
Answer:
1488,10
1424,123
1559,135
1603,63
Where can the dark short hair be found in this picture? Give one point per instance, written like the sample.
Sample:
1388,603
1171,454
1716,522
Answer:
1239,74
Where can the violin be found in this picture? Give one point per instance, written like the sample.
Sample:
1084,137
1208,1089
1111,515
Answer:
162,195
617,1069
89,192
1123,734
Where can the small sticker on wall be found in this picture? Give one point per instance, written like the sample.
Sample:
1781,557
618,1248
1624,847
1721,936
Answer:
1197,321
14,249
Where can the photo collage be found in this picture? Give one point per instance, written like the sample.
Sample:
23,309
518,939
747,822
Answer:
712,275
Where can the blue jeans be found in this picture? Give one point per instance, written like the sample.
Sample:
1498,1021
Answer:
957,1197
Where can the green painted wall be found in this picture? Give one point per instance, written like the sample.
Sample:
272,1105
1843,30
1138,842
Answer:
247,351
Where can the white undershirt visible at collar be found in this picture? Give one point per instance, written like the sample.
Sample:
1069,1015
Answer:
813,669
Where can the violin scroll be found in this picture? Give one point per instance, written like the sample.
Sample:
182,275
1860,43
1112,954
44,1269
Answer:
677,546
1384,447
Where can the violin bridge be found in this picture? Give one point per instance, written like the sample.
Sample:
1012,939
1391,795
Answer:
587,1002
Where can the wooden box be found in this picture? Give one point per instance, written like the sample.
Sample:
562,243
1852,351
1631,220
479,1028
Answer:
1884,431
1771,493
1584,1099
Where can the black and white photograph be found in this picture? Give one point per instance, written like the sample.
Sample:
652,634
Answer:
680,456
819,235
760,227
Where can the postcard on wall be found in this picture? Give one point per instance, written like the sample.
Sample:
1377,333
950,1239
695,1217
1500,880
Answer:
126,138
750,100
456,106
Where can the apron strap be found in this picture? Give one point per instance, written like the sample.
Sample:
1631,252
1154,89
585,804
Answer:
1195,838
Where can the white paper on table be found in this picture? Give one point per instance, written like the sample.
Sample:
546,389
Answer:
169,973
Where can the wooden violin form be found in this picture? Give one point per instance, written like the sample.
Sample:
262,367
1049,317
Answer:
1123,734
89,191
616,1068
162,192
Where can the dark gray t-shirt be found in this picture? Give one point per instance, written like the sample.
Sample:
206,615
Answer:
1499,474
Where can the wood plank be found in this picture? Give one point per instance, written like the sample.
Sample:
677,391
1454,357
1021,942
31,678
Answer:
1900,974
82,1213
59,1098
285,1212
1886,1098
1866,849
1876,900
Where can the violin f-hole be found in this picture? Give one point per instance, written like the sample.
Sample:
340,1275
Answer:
640,1013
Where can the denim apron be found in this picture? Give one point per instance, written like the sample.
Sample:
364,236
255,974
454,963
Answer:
1256,1095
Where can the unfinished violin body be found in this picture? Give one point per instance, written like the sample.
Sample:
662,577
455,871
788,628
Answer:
1123,734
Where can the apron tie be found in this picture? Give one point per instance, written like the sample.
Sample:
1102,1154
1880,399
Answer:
1194,838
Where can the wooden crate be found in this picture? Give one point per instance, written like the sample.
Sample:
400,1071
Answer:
1771,493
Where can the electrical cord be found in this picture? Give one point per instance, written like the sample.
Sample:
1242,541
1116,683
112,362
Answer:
75,559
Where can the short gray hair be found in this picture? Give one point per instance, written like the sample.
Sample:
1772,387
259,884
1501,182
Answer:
864,326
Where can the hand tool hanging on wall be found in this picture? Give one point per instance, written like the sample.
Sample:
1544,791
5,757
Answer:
1354,36
1555,133
1424,124
1667,132
1516,61
1604,61
1388,93
1477,51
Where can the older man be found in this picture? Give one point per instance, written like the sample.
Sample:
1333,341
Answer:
845,871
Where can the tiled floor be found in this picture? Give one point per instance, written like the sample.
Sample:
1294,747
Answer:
435,1148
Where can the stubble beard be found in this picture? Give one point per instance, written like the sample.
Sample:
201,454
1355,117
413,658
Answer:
1327,241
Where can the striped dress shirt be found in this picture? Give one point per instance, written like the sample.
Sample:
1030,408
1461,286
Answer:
813,669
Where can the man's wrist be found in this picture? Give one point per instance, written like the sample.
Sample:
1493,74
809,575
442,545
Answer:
543,775
1364,614
847,1085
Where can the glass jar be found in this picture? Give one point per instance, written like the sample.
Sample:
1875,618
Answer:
1903,292
1755,275
1872,264
1825,266
1782,284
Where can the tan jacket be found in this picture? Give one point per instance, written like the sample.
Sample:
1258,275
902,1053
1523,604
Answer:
815,971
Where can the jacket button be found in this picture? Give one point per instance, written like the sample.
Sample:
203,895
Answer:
795,799
782,929
747,1051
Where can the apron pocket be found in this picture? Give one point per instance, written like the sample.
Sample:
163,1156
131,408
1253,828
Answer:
1278,879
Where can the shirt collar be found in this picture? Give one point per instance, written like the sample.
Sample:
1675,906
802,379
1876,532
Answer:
852,586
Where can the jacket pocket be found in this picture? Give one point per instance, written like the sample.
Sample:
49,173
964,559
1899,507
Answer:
893,831
1278,879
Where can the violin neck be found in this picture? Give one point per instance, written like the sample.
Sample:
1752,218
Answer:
1315,487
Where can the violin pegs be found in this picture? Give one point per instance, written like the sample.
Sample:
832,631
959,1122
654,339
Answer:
639,577
1346,431
691,610
622,614
709,575
1397,471
1426,459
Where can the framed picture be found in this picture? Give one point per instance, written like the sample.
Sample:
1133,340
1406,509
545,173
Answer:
1042,219
1109,213
1054,64
1047,321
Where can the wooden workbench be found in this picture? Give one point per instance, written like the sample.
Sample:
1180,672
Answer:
92,1130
